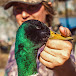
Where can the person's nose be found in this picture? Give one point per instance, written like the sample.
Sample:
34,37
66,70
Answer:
25,14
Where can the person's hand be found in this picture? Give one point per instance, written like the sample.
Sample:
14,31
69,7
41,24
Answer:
56,52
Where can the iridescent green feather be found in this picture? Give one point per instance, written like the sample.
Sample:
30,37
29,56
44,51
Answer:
25,50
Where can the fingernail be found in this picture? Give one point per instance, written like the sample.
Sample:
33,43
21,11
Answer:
65,30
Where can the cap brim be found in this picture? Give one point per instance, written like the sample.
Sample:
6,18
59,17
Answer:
9,4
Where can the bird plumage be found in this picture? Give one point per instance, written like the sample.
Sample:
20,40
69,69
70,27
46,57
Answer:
30,36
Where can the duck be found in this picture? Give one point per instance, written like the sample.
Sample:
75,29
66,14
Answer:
30,36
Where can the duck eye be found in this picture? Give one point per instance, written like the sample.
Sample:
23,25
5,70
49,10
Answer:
37,27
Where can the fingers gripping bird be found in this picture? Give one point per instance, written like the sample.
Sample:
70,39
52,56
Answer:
30,36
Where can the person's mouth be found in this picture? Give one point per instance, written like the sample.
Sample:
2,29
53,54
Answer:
27,19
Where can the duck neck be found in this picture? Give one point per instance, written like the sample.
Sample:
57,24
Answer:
26,59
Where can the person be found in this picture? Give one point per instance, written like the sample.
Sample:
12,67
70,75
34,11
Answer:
56,57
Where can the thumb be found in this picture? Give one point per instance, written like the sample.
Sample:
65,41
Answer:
64,31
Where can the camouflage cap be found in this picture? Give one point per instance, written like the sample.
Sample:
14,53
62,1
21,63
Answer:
32,2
